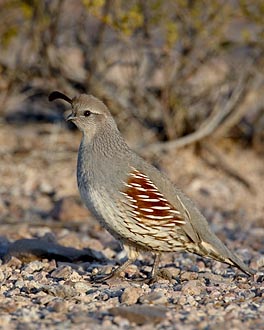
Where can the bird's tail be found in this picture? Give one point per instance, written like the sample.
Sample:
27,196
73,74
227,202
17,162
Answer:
218,251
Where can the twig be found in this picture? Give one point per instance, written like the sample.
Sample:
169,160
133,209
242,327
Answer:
234,117
215,158
211,124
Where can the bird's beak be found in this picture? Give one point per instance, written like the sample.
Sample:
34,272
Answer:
70,117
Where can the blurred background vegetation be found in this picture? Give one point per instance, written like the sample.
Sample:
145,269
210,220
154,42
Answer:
176,71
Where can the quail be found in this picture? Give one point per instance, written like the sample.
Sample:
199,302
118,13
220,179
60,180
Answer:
132,199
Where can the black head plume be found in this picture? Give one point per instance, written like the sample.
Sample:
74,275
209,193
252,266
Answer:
58,95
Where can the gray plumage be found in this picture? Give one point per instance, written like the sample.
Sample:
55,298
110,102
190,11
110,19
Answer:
134,201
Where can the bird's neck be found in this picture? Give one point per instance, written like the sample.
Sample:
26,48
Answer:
106,142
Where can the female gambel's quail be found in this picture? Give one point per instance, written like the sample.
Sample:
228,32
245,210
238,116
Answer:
134,201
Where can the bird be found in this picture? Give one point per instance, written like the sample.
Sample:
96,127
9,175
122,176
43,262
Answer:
134,201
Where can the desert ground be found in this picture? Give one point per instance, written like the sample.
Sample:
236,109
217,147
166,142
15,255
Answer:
44,285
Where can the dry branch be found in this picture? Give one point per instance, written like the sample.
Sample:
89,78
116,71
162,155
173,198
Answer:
215,120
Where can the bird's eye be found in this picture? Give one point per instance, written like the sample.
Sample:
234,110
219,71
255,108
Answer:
87,113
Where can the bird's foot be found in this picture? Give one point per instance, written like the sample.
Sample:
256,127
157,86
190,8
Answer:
154,277
164,274
100,278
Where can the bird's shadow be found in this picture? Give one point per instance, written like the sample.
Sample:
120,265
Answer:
46,247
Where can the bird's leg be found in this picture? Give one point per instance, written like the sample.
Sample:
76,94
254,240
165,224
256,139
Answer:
115,273
132,255
155,267
156,272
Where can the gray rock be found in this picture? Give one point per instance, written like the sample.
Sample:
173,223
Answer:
140,314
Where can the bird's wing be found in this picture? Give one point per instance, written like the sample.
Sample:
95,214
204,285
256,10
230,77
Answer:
148,204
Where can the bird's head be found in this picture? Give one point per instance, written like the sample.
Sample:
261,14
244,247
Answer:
89,114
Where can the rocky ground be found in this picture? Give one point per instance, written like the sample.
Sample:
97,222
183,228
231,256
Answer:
51,246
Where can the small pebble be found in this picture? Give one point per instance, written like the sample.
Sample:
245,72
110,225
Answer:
59,306
187,276
82,287
33,266
63,272
130,295
140,314
153,298
193,287
2,276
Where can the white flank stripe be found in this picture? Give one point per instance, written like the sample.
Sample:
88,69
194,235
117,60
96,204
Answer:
152,184
158,194
161,207
143,196
127,185
154,200
139,176
168,217
135,184
158,217
154,217
148,180
130,199
140,189
146,210
169,224
175,211
181,221
163,199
